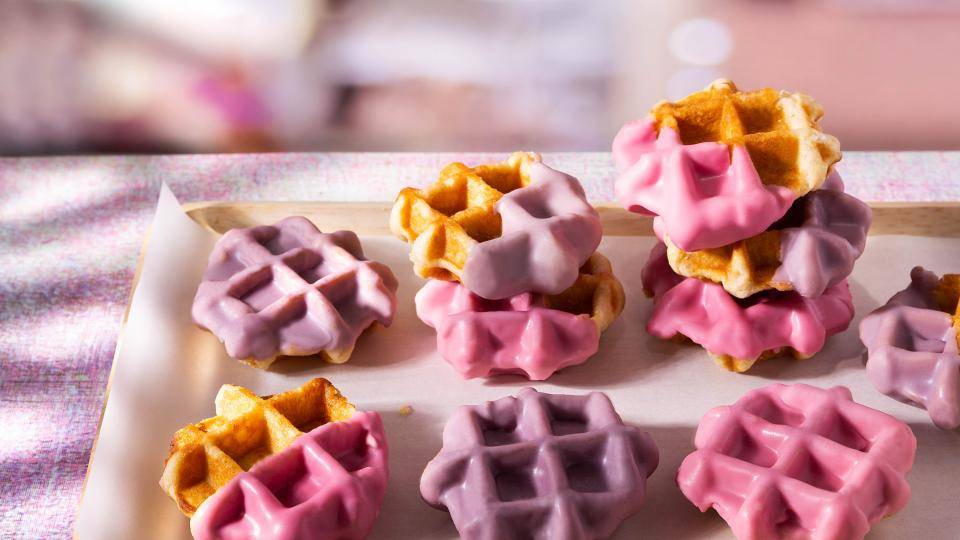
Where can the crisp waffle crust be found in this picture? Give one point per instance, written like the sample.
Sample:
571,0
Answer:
912,346
539,466
502,229
722,165
329,483
797,461
205,456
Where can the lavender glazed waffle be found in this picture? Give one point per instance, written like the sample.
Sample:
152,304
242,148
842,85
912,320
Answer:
913,348
539,466
289,289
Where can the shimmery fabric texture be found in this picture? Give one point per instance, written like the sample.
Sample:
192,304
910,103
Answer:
71,229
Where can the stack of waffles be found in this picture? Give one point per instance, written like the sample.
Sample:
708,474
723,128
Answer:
515,282
757,235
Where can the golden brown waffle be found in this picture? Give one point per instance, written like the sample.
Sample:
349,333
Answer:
443,221
596,292
743,268
206,455
947,296
741,365
780,130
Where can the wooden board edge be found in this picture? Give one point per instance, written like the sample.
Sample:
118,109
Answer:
200,211
908,218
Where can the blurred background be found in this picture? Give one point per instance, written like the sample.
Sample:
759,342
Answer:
109,76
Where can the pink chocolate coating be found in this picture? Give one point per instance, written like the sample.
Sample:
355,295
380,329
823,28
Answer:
704,197
328,484
797,461
912,351
290,289
708,315
549,231
480,337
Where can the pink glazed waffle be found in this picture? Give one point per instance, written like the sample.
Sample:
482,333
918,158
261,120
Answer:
912,349
738,334
539,466
529,334
813,247
329,483
799,462
722,165
289,289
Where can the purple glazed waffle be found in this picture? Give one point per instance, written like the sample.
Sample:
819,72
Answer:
912,346
799,462
549,231
539,466
289,289
500,229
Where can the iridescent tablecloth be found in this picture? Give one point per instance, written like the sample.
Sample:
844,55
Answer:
70,232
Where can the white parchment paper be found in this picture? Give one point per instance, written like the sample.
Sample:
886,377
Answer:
168,371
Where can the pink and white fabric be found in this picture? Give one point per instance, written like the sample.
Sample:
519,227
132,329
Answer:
708,315
702,197
797,461
329,484
912,352
481,337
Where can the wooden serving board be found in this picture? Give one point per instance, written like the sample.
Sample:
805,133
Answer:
916,219
662,387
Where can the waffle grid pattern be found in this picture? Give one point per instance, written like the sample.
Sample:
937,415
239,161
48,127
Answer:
290,289
540,465
799,461
909,364
205,456
446,219
913,346
779,130
331,480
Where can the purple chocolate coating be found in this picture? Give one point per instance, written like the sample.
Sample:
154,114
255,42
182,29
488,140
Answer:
539,466
912,351
820,252
549,231
290,289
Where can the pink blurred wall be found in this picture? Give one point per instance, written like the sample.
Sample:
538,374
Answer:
887,79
